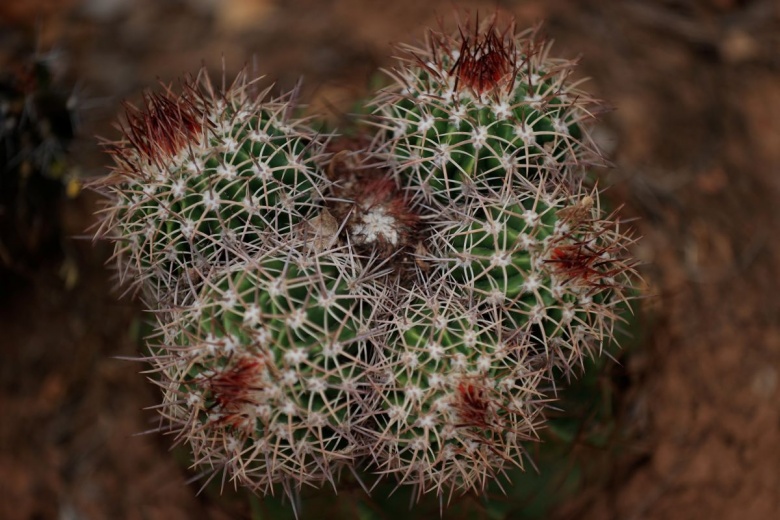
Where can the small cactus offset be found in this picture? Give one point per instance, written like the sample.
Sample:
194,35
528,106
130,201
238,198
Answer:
378,216
402,303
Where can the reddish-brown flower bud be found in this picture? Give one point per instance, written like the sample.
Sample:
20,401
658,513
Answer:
165,125
486,61
473,405
235,393
378,214
587,263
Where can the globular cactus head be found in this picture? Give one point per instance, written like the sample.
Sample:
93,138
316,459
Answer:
483,111
261,372
550,265
204,177
454,397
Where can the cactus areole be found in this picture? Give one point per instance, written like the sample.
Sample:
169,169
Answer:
403,304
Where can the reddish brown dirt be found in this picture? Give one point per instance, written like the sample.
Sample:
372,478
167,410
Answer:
696,137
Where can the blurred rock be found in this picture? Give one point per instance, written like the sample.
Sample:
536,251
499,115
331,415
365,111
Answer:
738,46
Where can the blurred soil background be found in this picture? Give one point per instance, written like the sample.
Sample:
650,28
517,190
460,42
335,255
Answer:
695,137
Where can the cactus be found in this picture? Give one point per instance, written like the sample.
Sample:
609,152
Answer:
36,128
455,397
550,266
261,372
483,113
409,302
206,177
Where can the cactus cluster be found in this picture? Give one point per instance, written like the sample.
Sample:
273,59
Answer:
404,302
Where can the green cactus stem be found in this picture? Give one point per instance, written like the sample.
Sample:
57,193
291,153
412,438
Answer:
456,396
204,177
483,113
261,373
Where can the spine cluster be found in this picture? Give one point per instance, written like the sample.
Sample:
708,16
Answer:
403,301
